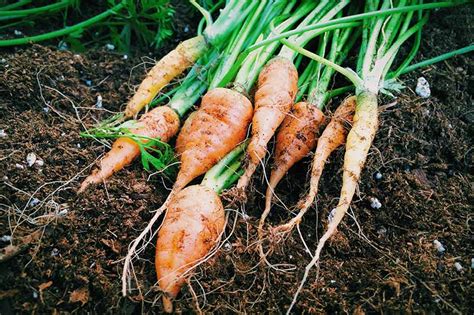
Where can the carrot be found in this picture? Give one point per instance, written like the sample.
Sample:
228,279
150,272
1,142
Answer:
165,70
194,222
333,136
277,87
295,139
193,225
161,122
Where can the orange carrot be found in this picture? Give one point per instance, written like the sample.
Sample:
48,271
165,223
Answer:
161,122
295,139
192,227
333,136
277,87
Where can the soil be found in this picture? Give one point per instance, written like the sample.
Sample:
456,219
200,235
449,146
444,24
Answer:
382,260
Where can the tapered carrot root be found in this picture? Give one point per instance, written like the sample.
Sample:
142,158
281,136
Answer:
277,88
211,132
170,66
162,122
192,227
295,139
333,136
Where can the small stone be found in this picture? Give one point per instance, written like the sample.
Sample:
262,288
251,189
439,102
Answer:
439,247
63,213
423,88
332,281
375,203
3,134
19,166
63,45
98,104
378,176
17,33
3,60
5,178
63,134
39,162
110,47
46,109
31,159
125,57
33,202
35,295
78,145
331,215
6,238
55,252
227,246
186,28
458,267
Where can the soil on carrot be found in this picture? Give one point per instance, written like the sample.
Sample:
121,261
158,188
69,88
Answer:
70,247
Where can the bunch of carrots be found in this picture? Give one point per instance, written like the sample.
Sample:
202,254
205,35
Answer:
258,46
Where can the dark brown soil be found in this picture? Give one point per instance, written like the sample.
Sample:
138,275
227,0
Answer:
383,260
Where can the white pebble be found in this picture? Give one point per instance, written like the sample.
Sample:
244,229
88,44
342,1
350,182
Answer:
332,281
17,32
125,57
186,28
35,295
98,104
78,145
3,60
3,134
227,246
33,202
439,247
19,166
378,176
110,47
31,159
46,109
458,266
5,178
423,88
375,203
331,215
55,252
39,162
6,238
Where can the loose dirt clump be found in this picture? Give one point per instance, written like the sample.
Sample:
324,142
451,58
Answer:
383,260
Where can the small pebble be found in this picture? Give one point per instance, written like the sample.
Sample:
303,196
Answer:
55,252
227,246
331,215
291,256
62,45
98,104
63,212
63,134
39,162
125,57
378,176
332,281
35,295
382,231
31,159
6,238
375,203
110,47
19,166
439,247
78,145
33,202
17,33
186,28
458,266
3,134
3,60
5,178
423,88
46,109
